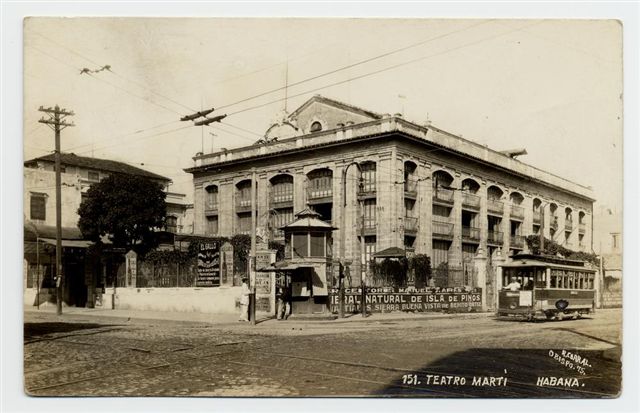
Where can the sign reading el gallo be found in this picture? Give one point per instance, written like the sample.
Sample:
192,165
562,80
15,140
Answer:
407,299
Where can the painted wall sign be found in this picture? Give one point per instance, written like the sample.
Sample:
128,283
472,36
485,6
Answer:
386,299
208,265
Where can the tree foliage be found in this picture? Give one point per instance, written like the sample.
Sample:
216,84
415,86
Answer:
553,248
125,208
420,264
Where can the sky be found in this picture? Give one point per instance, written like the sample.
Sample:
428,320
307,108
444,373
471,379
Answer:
553,87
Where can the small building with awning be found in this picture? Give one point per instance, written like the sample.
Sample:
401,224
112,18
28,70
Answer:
40,262
307,263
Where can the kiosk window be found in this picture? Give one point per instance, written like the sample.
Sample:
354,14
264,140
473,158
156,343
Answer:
317,244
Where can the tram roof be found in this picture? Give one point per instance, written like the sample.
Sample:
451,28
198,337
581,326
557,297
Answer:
526,262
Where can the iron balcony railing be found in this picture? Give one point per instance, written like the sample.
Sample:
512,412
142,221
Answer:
568,225
411,186
443,195
442,228
211,208
470,200
517,241
280,198
411,224
517,212
537,217
243,204
553,223
319,193
470,234
582,227
495,237
495,206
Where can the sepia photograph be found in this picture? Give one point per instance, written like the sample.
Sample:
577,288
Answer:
322,207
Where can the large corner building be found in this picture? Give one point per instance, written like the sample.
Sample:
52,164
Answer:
417,187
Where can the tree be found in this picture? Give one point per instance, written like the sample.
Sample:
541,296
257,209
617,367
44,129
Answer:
125,208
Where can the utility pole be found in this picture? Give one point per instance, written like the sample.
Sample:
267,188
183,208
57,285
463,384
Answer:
343,234
252,256
542,206
57,123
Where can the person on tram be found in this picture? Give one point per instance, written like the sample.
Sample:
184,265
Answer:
514,285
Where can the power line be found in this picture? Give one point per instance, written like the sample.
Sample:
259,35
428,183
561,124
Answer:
361,62
395,66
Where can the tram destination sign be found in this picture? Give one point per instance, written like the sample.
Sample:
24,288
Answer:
387,299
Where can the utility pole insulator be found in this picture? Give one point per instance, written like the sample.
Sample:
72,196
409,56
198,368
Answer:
210,120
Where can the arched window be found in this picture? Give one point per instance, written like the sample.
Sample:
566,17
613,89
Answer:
516,198
537,204
410,181
281,188
442,179
243,193
368,175
315,127
211,201
470,185
494,193
568,214
320,183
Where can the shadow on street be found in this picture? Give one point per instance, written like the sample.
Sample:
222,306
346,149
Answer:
35,330
522,369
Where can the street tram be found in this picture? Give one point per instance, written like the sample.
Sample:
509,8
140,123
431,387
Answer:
546,287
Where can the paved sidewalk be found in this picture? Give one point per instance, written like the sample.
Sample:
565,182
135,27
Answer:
264,320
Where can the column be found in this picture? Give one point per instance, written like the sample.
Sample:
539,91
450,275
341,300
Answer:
506,226
198,209
498,261
455,252
385,218
263,212
480,264
527,223
299,186
424,203
336,184
226,208
483,220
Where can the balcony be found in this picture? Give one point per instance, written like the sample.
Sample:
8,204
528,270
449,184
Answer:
320,195
470,200
582,228
517,212
494,206
517,241
211,209
537,217
410,225
369,226
495,237
568,226
281,199
553,223
471,234
367,190
442,229
411,188
443,196
243,204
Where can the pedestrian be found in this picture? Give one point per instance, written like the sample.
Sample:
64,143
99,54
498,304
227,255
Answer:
286,299
280,303
244,300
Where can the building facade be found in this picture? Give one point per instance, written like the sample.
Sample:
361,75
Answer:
411,186
77,175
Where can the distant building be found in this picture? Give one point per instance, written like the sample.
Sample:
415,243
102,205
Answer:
607,223
421,189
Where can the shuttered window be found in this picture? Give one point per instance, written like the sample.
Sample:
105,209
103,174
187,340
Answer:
39,206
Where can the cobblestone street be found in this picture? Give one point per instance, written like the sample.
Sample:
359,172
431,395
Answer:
82,355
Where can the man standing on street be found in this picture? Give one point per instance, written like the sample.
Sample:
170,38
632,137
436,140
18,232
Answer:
244,300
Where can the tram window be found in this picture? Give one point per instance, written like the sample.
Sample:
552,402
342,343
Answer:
541,279
582,283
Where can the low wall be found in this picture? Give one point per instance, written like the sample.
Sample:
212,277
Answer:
390,299
219,300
